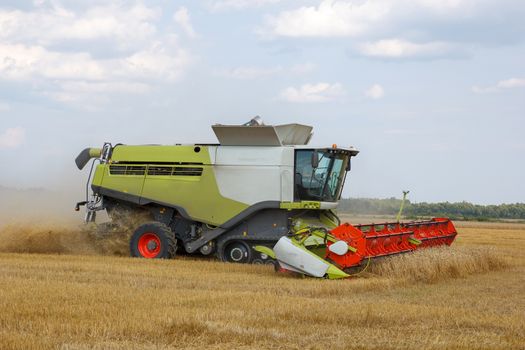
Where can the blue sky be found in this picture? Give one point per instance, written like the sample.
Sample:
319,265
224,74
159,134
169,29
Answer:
432,92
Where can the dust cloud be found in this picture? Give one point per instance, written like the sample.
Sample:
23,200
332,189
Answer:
44,221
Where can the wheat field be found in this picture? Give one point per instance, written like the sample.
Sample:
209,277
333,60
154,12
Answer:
60,290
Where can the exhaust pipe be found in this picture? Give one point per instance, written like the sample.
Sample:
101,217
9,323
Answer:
86,155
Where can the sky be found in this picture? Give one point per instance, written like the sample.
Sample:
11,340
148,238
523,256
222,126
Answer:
432,92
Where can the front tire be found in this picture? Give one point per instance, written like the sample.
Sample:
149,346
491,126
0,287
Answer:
153,240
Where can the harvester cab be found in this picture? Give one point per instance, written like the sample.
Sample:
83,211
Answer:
261,195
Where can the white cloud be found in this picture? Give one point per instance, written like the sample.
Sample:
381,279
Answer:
182,17
136,56
19,62
398,48
376,91
483,90
418,27
12,138
444,6
344,18
329,19
87,92
500,85
126,27
218,5
307,93
4,106
511,83
157,62
399,132
253,72
249,73
303,68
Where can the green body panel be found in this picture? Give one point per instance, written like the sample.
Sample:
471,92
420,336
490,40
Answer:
128,184
329,219
334,272
157,153
98,176
199,196
301,205
264,250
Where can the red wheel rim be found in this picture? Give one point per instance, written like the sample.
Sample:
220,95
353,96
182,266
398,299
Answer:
149,245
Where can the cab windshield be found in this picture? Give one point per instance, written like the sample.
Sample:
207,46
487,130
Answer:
324,182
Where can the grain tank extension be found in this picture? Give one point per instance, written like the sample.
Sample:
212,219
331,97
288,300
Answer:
261,195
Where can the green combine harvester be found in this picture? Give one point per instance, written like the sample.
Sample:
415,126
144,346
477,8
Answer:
261,195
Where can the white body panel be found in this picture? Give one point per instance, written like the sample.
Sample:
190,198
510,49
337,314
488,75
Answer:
254,155
294,258
339,248
253,174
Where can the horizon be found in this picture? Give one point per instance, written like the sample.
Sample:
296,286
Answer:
431,92
58,190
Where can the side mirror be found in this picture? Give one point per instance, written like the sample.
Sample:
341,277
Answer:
349,164
315,160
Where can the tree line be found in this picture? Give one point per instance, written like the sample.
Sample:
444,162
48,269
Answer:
459,210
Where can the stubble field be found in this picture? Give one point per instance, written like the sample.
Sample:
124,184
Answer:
59,290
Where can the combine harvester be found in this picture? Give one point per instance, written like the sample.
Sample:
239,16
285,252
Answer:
261,196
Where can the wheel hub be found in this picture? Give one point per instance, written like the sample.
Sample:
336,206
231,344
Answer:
236,254
149,245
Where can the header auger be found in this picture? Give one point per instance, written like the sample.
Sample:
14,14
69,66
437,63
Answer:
261,195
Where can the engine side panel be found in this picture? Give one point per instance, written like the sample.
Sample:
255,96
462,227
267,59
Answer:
168,175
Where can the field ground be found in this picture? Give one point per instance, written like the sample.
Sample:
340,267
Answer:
470,296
